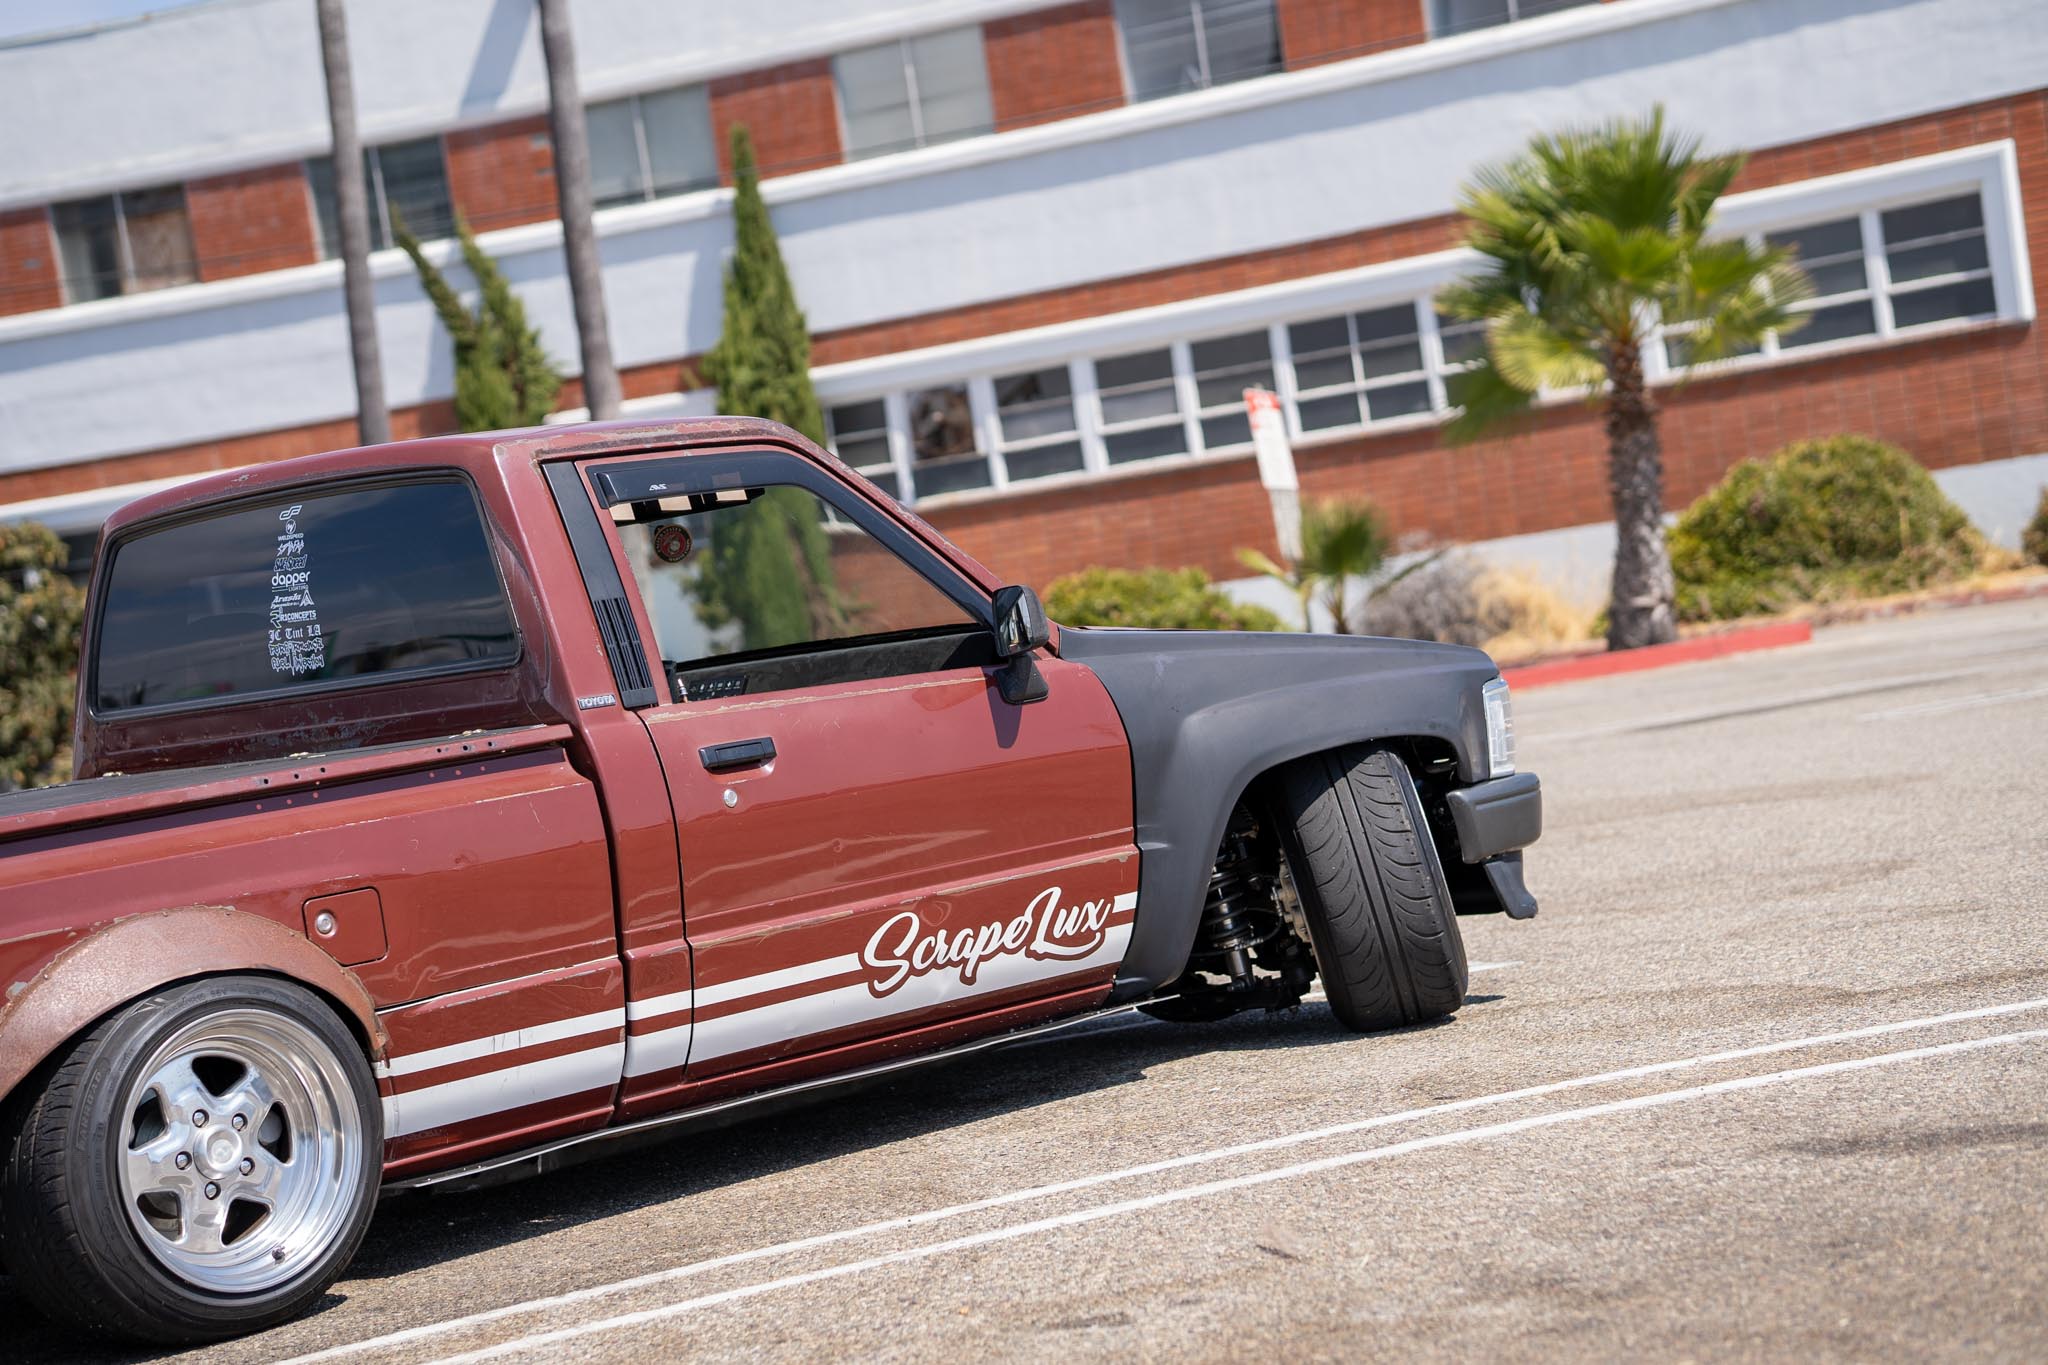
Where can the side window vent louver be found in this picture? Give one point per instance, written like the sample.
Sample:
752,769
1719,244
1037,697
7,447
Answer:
622,643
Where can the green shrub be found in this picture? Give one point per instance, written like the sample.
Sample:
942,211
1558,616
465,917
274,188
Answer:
1157,599
1818,521
2034,539
40,613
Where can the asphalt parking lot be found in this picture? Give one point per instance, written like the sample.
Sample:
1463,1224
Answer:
1767,1078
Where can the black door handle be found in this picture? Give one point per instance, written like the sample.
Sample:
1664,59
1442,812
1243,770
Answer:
740,753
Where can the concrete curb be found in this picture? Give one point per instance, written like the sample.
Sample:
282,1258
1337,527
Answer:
1544,672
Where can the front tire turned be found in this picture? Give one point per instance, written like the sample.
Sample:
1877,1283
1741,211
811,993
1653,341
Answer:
198,1165
1365,866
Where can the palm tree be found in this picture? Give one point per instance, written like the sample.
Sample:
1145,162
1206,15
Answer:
601,393
1341,542
1594,239
352,212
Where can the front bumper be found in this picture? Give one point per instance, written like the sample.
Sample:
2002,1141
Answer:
1494,821
1496,817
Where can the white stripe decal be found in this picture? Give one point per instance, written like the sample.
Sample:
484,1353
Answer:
509,1088
767,1024
684,1039
660,1051
655,1006
531,1036
777,980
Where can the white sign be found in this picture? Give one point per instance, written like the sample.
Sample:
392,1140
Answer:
1276,468
1269,441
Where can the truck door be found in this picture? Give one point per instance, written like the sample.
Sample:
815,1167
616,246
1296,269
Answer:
878,852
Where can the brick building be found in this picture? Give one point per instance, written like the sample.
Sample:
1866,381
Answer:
1043,247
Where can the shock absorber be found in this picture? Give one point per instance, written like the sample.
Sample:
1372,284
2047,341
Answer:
1232,919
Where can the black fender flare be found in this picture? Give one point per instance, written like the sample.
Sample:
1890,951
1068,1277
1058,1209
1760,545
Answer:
1208,712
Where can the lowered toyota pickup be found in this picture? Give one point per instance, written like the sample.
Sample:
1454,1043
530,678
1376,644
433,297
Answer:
450,809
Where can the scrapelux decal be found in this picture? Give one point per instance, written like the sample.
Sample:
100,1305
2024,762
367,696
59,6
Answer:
905,946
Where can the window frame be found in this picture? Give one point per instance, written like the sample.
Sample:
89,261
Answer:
609,482
124,251
289,692
920,138
382,238
1198,11
1438,29
646,193
2005,268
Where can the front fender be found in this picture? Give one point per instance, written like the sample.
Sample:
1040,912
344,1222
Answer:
129,958
1208,712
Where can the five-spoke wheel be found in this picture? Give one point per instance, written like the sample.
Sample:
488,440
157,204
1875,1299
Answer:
199,1164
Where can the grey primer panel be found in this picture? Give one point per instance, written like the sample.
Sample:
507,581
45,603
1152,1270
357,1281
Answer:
1207,712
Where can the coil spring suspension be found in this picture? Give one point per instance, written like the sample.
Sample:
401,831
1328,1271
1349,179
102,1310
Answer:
1237,916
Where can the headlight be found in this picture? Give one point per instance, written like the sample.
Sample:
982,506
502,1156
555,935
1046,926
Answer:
1500,730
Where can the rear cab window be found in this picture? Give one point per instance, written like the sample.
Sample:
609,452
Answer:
293,593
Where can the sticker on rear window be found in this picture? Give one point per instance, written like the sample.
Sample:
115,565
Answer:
296,645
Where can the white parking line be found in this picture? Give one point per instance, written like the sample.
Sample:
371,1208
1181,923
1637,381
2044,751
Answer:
1946,704
428,1331
1097,1213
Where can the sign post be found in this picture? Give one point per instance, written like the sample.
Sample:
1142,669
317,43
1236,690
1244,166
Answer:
1276,468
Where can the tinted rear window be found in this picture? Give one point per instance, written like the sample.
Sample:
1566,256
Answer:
294,593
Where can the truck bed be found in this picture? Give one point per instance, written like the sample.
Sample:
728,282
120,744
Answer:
126,796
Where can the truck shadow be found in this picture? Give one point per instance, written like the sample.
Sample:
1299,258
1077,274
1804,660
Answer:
418,1231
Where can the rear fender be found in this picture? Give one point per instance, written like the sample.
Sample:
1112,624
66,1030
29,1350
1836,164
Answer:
132,957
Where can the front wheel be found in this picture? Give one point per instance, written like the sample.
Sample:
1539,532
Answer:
200,1164
1365,866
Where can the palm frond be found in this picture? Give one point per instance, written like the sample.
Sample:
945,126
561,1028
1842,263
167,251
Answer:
1528,353
1482,400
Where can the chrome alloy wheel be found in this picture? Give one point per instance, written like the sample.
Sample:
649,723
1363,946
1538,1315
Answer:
240,1150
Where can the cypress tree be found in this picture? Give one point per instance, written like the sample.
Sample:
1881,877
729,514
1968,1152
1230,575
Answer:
40,615
769,566
503,376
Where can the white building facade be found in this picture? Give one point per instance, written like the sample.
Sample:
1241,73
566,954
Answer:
1042,249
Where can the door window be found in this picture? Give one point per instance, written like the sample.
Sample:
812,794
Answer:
770,590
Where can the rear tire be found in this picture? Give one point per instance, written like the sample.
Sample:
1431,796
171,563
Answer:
1365,866
197,1165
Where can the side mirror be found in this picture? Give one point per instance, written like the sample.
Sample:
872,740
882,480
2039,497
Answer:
1020,622
1020,628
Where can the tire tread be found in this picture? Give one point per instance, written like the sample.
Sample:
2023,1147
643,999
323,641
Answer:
1385,937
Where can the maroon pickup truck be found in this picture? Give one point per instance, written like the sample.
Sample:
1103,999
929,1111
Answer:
449,809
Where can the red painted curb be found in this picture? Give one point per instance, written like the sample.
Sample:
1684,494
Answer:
1772,636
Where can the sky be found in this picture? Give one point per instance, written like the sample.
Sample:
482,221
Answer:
20,18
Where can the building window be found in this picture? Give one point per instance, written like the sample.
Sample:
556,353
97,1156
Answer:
1036,424
946,455
1841,305
124,243
860,437
1362,367
1171,46
1224,368
1140,401
647,146
1882,272
913,92
1937,262
1462,16
409,179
